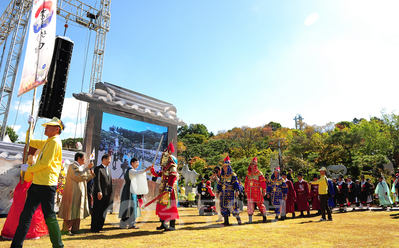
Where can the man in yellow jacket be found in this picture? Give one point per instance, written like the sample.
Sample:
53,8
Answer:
323,194
44,184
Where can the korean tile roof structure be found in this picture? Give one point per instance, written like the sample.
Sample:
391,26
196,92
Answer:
132,102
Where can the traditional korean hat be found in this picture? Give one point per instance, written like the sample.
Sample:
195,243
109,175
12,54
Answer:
227,160
323,169
362,176
348,177
254,161
300,174
170,148
341,176
284,173
315,175
277,169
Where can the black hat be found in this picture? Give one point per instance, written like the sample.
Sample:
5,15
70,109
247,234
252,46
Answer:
284,173
315,175
362,176
348,177
300,173
341,176
203,178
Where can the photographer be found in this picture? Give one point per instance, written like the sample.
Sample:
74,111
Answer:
216,178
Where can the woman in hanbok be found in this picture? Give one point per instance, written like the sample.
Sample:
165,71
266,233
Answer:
38,227
382,190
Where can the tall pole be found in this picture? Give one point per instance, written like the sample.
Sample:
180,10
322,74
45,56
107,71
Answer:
280,158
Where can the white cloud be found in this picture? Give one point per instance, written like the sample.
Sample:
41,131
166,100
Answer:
71,108
70,129
311,19
15,127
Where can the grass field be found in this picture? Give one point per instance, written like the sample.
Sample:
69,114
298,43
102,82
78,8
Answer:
352,229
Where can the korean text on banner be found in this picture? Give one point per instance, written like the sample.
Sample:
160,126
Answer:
40,45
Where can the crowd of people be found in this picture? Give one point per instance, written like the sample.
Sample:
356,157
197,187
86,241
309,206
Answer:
88,190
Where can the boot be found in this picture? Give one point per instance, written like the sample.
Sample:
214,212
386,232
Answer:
264,218
276,218
249,219
171,226
282,217
239,220
226,221
293,215
301,215
308,213
162,227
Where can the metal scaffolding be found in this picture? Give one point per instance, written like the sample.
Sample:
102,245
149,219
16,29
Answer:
15,19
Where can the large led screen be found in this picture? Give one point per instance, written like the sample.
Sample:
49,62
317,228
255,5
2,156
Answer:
124,138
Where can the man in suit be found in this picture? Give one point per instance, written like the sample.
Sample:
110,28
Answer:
102,191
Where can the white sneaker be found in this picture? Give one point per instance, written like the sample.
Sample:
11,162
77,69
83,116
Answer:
322,220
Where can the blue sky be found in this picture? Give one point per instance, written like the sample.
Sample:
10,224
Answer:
231,63
110,120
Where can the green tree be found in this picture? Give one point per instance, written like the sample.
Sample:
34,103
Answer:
11,134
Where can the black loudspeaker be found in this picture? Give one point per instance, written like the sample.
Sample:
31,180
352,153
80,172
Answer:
53,93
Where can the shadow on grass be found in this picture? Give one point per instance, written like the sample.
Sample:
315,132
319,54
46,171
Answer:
93,236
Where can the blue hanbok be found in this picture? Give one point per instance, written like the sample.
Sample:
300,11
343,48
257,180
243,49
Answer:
277,191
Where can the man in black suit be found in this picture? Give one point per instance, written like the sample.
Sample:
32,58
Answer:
102,191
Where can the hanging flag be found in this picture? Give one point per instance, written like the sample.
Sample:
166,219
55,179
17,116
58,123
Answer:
92,154
40,46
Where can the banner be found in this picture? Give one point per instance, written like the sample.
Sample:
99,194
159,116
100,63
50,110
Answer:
40,46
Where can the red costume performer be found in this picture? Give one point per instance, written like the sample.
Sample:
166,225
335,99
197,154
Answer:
167,205
302,193
291,198
254,185
314,194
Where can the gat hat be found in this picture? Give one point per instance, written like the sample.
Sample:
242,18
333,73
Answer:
341,176
284,173
54,122
315,175
323,169
362,176
300,174
348,177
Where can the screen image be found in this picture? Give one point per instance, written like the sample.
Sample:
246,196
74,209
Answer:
125,138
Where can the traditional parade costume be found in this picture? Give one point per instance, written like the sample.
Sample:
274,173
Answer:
331,199
302,192
342,194
277,191
364,193
352,192
382,190
394,190
228,188
166,208
255,187
291,198
314,195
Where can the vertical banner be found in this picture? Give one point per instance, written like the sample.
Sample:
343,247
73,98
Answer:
39,50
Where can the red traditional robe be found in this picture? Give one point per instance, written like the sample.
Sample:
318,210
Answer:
302,194
253,185
314,195
291,198
167,205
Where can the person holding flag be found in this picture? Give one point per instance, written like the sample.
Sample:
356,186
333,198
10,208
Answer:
44,185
